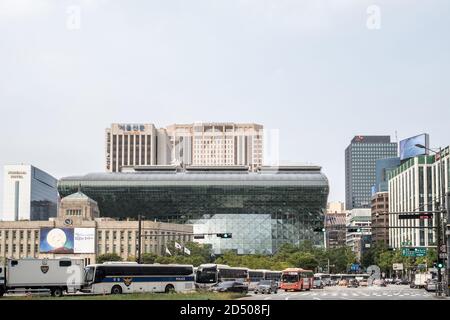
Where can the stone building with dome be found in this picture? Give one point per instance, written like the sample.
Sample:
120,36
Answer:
78,231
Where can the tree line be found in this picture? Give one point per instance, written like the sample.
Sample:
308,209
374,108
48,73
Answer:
304,256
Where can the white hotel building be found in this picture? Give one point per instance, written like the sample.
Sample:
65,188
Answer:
29,194
415,186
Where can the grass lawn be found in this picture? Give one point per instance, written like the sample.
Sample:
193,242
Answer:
138,296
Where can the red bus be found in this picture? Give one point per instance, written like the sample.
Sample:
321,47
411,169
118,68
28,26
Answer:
297,279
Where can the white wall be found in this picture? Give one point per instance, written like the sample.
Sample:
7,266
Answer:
11,174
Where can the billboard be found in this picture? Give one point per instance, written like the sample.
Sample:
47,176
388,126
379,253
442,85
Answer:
67,240
408,147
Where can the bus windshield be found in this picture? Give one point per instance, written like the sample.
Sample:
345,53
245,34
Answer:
89,274
206,275
289,278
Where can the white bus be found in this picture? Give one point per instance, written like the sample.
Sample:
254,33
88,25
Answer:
211,274
117,278
255,276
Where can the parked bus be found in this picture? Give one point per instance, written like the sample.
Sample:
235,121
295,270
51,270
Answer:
117,278
297,279
272,275
255,276
211,274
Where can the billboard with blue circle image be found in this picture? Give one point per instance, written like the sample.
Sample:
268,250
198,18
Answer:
67,240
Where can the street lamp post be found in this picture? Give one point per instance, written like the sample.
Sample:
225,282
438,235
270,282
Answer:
442,209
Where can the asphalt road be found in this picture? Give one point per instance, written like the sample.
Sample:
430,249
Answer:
391,292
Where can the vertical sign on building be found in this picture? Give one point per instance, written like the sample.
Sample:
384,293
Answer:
16,201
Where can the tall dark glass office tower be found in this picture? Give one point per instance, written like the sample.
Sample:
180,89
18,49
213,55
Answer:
360,167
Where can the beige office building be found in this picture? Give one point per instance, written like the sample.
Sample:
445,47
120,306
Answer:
21,239
380,218
202,144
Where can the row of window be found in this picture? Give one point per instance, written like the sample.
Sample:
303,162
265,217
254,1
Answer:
18,248
14,234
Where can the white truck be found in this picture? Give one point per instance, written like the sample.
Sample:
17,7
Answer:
420,280
42,275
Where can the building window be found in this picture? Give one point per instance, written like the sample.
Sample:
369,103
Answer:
21,234
36,248
73,212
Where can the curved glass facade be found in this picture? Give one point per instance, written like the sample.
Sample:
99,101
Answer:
261,210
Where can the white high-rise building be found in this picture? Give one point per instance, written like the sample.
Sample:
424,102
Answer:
29,194
198,144
358,219
415,186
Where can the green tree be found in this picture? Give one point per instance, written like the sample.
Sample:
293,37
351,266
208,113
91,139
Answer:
149,258
108,257
305,260
384,260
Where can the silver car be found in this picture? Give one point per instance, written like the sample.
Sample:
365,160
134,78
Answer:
266,286
431,285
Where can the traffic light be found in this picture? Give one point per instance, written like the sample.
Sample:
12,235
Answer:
319,229
354,230
224,235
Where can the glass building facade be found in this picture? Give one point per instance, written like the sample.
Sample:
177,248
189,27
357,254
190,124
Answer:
382,169
360,167
261,209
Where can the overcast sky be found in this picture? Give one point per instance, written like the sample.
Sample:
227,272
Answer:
312,69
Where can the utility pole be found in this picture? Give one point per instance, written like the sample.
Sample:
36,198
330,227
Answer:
139,238
447,289
442,208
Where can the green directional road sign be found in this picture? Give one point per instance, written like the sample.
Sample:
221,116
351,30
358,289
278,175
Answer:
414,252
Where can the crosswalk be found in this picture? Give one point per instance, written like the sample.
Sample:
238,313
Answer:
287,295
344,293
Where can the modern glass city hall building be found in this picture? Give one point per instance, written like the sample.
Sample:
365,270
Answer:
261,209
